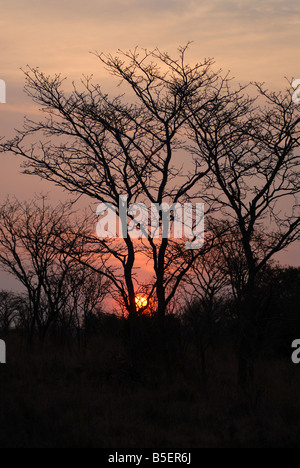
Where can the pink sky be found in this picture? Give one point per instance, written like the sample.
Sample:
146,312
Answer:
255,40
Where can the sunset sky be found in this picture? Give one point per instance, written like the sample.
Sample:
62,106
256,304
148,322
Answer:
256,40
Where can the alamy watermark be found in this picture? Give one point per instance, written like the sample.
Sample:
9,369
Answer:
296,93
2,92
296,353
159,221
2,352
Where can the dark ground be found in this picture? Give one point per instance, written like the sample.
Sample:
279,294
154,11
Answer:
60,396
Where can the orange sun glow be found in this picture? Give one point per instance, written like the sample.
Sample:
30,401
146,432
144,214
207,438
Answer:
141,301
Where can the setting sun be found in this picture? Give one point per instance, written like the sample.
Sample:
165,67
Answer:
141,301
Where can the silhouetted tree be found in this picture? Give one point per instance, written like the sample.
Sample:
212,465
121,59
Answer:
10,306
278,292
37,244
103,147
240,157
250,145
82,296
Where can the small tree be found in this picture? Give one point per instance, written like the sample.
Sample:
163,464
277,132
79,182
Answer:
82,296
10,306
37,244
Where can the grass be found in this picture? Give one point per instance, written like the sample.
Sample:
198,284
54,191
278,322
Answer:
58,396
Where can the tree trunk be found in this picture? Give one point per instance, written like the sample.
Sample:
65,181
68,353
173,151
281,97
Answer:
161,302
247,341
128,278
